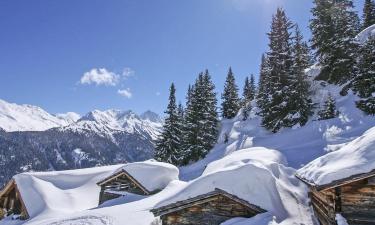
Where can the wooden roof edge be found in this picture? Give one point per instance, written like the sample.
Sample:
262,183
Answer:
122,171
7,186
187,202
12,183
106,179
338,183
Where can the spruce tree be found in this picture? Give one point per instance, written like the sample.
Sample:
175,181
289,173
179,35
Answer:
210,116
301,106
322,28
329,111
230,100
276,109
249,91
263,95
334,27
364,82
368,14
169,143
201,119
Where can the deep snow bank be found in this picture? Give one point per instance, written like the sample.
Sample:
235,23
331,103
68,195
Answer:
61,191
355,157
258,176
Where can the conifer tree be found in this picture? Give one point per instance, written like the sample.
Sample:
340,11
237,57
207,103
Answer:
322,28
248,95
364,82
201,119
169,143
368,14
263,95
334,27
329,111
230,100
275,110
301,106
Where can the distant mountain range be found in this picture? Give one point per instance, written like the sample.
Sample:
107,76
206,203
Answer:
33,139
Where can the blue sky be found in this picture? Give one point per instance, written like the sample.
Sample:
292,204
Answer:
80,55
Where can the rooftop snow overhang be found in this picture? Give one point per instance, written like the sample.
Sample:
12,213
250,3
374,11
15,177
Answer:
337,183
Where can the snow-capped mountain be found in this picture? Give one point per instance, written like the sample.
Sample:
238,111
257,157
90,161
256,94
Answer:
113,121
15,117
66,141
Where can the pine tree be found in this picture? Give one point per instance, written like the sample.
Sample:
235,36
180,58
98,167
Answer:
329,111
364,82
230,101
301,106
322,28
263,95
368,14
275,110
201,119
249,91
334,27
169,143
210,128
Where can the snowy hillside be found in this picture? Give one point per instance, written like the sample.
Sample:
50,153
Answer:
299,145
15,117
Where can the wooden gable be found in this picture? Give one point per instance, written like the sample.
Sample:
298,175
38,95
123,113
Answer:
117,183
11,201
211,208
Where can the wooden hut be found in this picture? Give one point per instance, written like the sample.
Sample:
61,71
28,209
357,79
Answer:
352,197
11,202
211,208
140,178
118,185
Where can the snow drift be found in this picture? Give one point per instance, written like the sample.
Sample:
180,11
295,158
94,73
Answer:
61,192
256,175
355,157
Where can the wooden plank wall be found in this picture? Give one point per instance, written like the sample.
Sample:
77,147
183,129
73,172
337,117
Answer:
358,202
213,212
355,201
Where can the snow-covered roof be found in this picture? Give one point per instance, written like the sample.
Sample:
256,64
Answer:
151,174
365,34
353,159
256,175
61,191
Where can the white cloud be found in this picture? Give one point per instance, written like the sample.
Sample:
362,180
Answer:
125,92
100,76
128,72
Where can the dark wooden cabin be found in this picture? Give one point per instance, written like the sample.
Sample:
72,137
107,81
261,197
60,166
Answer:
11,202
207,209
118,184
352,197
